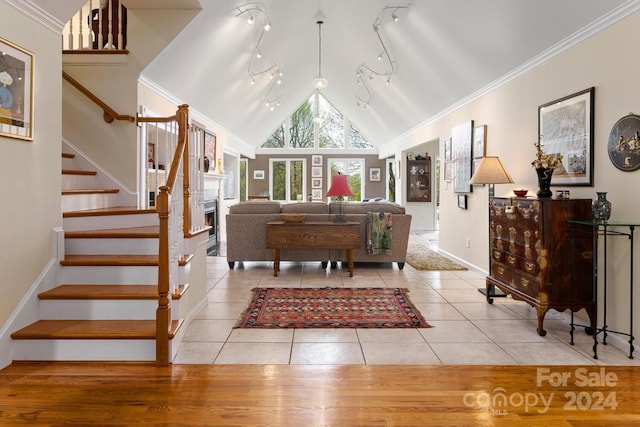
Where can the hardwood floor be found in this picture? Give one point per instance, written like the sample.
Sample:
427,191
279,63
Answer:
114,394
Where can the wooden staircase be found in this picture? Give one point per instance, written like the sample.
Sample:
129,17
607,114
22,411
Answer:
104,306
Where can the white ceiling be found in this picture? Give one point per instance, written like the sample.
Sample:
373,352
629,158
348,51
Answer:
445,50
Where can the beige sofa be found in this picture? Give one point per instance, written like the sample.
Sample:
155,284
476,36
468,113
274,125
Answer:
246,225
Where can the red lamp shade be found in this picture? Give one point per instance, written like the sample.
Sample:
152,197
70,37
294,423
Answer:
339,186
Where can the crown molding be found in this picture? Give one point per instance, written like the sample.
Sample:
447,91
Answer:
37,14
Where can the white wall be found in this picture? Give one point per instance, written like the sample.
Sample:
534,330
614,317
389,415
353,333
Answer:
30,171
606,61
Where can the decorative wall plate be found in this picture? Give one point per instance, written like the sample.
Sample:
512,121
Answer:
624,143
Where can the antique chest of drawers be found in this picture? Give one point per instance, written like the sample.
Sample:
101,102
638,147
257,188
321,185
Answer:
537,257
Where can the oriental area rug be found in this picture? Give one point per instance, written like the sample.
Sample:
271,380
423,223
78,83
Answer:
331,308
422,258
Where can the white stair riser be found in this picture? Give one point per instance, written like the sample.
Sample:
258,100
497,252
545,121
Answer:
71,182
80,202
111,246
98,309
102,275
85,350
109,222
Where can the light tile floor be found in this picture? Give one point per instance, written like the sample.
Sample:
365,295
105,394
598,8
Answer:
465,329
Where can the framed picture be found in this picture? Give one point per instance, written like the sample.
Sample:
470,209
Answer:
447,150
448,171
462,201
316,194
316,160
461,151
624,143
151,155
316,182
258,174
565,127
479,141
316,172
374,174
210,142
16,91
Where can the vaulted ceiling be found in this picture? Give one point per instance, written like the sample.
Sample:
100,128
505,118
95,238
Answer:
444,51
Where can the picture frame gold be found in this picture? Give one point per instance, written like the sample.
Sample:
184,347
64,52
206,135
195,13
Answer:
16,91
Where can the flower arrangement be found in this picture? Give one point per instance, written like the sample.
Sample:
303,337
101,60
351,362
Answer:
545,160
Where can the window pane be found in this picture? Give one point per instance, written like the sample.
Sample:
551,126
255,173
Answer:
279,179
296,180
356,139
276,140
302,127
331,127
243,180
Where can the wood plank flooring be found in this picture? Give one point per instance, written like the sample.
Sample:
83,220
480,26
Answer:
113,394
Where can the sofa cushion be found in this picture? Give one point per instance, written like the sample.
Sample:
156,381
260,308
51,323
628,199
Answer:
363,208
254,207
306,207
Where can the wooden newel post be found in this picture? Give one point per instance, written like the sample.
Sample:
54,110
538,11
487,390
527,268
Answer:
163,312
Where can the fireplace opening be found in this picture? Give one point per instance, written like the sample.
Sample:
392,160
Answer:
211,219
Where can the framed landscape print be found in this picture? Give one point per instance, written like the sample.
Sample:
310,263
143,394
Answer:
479,141
16,91
565,127
461,150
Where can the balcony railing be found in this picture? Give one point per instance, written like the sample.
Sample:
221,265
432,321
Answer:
100,25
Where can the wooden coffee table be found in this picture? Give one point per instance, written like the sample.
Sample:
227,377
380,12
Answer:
312,235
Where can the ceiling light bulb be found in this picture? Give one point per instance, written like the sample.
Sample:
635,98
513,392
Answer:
267,104
258,54
272,108
250,19
395,17
388,80
267,26
380,57
253,81
279,81
371,77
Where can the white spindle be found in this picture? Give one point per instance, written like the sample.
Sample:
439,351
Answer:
110,33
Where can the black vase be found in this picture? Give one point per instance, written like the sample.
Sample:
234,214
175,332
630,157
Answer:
544,181
601,207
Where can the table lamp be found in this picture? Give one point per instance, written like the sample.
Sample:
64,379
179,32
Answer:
339,189
491,172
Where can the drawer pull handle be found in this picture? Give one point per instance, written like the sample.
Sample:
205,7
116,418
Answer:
496,255
529,266
500,270
511,259
524,283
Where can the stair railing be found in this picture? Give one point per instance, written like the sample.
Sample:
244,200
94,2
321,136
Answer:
180,213
108,113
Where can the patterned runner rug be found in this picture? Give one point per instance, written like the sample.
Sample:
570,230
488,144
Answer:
422,258
331,308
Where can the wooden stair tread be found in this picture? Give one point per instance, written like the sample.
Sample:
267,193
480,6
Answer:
68,155
110,260
93,329
151,231
90,191
107,292
78,172
115,210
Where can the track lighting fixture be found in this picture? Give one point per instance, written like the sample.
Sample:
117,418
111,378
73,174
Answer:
252,11
392,67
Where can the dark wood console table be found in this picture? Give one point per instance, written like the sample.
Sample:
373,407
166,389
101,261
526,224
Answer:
312,235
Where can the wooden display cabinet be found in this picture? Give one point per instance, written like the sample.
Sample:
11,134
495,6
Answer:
419,180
